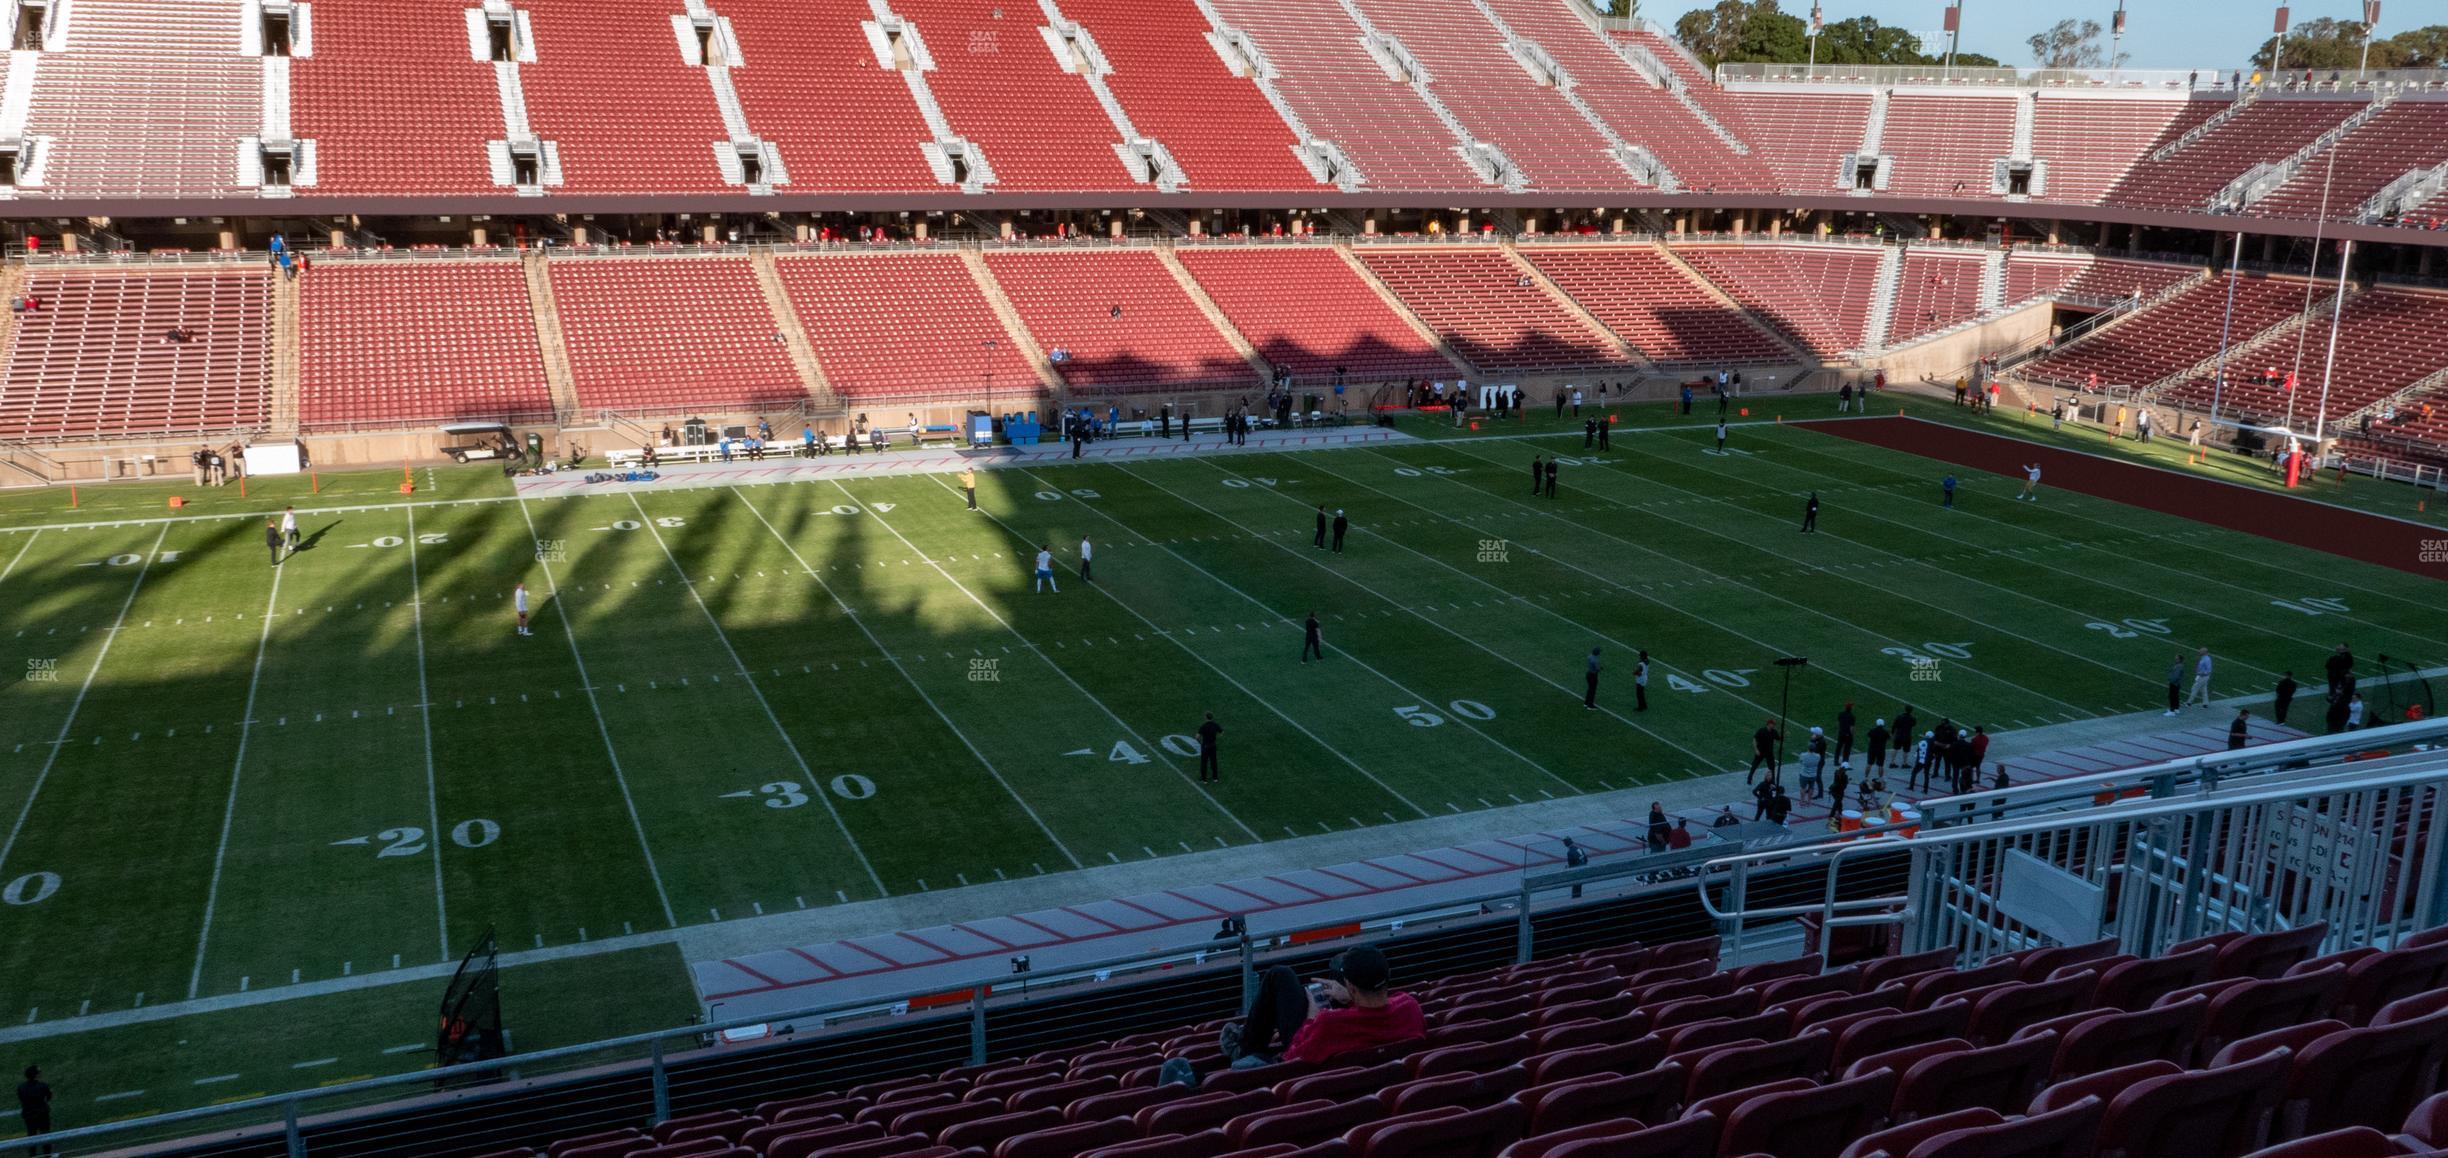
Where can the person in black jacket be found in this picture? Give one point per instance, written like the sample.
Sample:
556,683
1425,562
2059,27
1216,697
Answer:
1321,530
2239,731
1810,513
272,539
1311,641
1658,827
1844,736
2285,698
34,1106
1551,478
1874,756
1538,474
1763,751
2340,667
1341,525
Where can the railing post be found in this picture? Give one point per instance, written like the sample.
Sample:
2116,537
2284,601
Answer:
1249,971
289,1130
662,1085
977,1026
1737,896
1521,936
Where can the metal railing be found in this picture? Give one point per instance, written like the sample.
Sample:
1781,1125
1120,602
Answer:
2111,80
643,1078
2166,835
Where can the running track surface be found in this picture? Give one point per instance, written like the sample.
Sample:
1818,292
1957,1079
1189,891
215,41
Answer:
2377,539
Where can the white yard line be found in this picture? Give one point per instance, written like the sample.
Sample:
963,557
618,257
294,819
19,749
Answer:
602,727
229,810
20,555
788,744
1156,749
1761,592
1431,620
433,795
1267,702
906,677
61,741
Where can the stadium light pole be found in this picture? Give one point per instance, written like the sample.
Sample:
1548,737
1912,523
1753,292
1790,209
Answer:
1785,700
2218,376
1954,30
2116,42
2371,20
2320,417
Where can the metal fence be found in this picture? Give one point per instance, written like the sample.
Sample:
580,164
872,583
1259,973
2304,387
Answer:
2333,828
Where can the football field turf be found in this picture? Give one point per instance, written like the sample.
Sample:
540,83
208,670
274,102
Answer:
217,775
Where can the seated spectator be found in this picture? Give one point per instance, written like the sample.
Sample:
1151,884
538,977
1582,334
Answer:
1349,1009
1275,1017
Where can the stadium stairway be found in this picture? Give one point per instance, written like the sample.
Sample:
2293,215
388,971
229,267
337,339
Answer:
286,344
1215,315
794,337
1013,327
1394,302
547,311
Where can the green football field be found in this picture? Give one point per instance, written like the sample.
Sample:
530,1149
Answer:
220,776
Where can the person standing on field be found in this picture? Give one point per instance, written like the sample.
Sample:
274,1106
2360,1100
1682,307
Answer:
2031,483
1551,478
1589,699
2175,684
1538,474
2201,680
1209,772
1321,527
1874,756
1721,431
1946,492
1045,571
272,539
2339,667
1844,735
1603,427
518,603
1763,751
1341,525
1087,555
1640,683
1313,640
2284,698
968,478
289,528
34,1106
1810,513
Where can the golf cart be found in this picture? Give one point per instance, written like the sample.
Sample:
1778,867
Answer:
470,441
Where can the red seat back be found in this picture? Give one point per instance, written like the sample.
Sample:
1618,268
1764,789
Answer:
2068,1131
2108,1040
1882,1032
1622,1057
1067,1140
1691,1137
2220,1111
2139,983
1204,1144
1767,1026
2269,1003
2269,954
2001,1077
1813,1123
1302,1123
1733,1067
988,1133
1480,1133
1202,1111
1901,1139
1650,1096
2373,1076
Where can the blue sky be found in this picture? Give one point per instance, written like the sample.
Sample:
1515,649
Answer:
2158,33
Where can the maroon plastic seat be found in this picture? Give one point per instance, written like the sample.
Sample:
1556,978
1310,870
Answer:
2037,964
1733,1067
1204,1144
2293,1038
934,1120
1769,1025
2220,1111
1063,1093
1602,1008
1342,1082
808,1142
1538,1144
1687,1010
2000,1077
880,1148
1068,1140
668,1131
2366,1077
988,1133
1813,1123
904,1089
1697,950
1464,1090
2139,983
1620,1057
1879,971
2069,1131
2406,1008
1693,1137
809,1106
1470,1058
763,1136
2380,978
2264,1004
695,1145
2349,1142
1720,1105
1202,1111
1996,1016
1787,990
1495,1009
2428,1124
1671,989
2269,954
2104,1084
1650,1096
1479,1029
2100,1041
1302,1123
884,1112
1124,1103
1877,1032
1937,987
1903,1058
1480,1133
1820,1007
1554,995
1896,1140
606,1144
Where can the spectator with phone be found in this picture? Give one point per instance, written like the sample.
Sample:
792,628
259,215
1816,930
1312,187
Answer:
1350,1009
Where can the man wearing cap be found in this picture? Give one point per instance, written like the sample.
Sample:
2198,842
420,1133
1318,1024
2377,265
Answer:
1351,1010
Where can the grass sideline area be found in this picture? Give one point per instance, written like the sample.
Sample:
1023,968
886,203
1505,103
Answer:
228,1055
225,776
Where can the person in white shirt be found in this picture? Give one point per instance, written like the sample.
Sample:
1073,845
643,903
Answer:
2354,712
1640,683
2201,680
289,528
1045,571
518,601
1087,555
2031,482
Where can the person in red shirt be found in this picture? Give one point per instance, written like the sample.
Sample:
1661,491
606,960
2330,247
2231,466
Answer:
1351,1010
1980,745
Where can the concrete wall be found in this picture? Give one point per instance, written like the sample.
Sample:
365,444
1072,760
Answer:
1947,355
